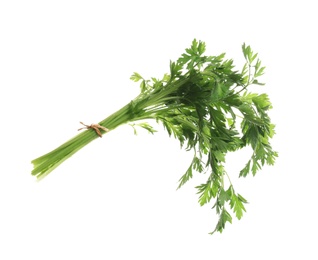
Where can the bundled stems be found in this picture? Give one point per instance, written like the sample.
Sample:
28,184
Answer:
134,111
48,162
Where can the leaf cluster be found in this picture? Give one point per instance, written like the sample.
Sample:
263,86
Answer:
205,104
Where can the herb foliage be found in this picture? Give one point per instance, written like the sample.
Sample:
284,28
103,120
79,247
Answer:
205,104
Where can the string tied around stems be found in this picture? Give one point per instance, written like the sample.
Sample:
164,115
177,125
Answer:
95,127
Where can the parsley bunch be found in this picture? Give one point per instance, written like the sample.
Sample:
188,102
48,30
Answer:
206,105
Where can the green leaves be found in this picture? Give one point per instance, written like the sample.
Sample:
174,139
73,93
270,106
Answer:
193,55
261,102
196,165
248,53
252,68
197,48
202,113
144,86
259,71
205,103
224,217
207,191
136,77
237,205
236,202
144,125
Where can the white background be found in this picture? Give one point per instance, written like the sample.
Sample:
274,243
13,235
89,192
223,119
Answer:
62,62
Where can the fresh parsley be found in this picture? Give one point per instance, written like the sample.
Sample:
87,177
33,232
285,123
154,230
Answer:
206,104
